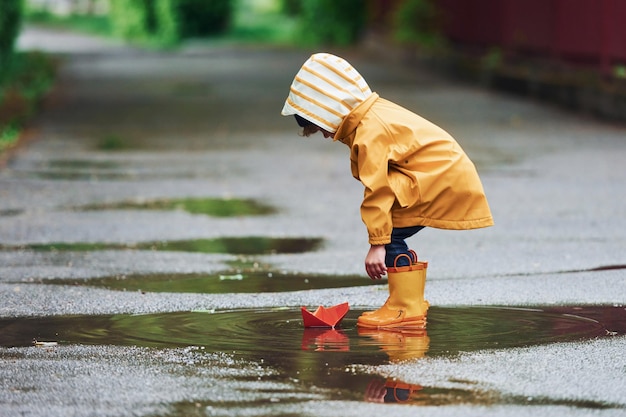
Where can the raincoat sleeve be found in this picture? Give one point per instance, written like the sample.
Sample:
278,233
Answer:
370,163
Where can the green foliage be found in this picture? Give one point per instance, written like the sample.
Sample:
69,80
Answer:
27,79
24,78
165,22
204,17
261,22
8,136
129,18
492,59
332,22
10,23
93,24
291,7
415,22
159,23
146,21
619,71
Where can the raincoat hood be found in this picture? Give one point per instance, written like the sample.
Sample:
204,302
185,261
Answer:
325,90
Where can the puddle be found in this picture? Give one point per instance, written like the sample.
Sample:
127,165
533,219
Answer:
82,164
253,281
75,169
79,175
125,173
10,212
209,206
114,169
277,334
325,360
251,245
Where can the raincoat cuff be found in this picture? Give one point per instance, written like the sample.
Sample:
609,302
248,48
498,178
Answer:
379,240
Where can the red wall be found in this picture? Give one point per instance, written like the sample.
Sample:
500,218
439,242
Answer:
589,32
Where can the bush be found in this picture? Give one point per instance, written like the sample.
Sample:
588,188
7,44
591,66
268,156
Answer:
152,21
416,22
204,17
10,23
332,22
291,7
26,81
165,22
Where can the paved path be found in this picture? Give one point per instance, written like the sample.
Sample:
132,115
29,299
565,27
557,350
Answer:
204,121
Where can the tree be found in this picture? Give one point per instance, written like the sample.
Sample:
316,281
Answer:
10,24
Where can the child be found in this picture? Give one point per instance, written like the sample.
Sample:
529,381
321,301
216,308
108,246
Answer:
414,173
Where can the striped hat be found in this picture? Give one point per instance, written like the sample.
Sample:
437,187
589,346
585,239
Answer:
325,90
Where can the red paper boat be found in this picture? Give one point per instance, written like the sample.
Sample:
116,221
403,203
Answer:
325,317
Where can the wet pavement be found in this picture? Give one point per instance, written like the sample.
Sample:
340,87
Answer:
528,316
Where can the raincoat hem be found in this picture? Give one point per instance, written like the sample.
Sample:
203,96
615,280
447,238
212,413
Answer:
444,224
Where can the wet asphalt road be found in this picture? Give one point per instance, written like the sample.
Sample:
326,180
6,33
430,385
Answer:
204,121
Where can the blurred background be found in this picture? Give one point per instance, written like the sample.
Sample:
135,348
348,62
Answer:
571,52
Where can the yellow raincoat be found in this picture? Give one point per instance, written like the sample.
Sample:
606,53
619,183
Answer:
414,173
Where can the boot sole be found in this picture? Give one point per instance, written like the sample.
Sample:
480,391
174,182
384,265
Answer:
417,323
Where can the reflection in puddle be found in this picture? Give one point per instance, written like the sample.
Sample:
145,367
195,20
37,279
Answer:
392,390
115,169
255,281
395,391
218,207
75,169
78,164
10,212
327,359
399,345
77,175
251,245
114,142
93,175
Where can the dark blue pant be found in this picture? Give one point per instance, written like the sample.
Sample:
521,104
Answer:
399,246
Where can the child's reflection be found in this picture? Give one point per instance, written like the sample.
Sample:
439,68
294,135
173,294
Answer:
390,391
399,344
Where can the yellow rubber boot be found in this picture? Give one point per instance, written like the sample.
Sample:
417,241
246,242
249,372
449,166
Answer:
405,307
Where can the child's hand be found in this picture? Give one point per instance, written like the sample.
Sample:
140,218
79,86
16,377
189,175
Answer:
375,391
375,262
